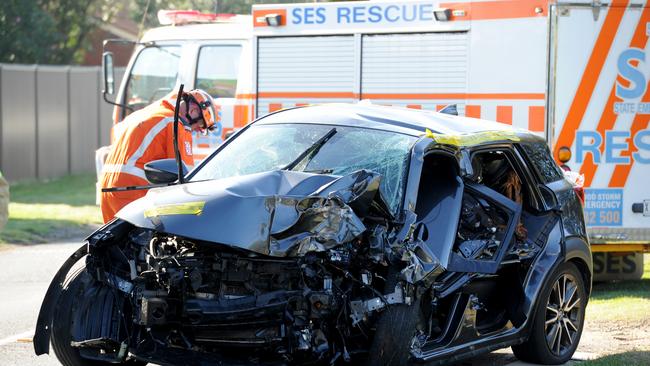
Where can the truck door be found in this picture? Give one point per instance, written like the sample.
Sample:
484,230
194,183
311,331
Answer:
217,72
600,109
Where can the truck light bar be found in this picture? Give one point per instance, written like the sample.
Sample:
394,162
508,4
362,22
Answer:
178,17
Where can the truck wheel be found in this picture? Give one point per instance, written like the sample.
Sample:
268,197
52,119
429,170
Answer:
558,320
62,322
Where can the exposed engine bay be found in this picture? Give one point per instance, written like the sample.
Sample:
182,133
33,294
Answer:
317,300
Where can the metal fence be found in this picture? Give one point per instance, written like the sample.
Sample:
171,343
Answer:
52,118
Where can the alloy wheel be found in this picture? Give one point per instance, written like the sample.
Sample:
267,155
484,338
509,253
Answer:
563,315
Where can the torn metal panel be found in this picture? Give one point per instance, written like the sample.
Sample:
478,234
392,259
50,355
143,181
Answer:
276,213
323,223
422,265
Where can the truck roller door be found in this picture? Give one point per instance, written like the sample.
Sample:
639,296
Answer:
421,70
304,70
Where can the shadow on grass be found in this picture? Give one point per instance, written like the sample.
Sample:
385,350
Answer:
38,231
617,289
76,190
630,358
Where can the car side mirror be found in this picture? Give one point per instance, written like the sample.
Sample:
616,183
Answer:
162,171
109,74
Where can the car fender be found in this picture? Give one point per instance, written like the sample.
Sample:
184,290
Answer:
577,250
44,322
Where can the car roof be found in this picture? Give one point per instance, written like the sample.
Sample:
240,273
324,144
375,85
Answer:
396,119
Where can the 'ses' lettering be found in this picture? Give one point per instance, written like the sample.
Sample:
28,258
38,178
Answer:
634,79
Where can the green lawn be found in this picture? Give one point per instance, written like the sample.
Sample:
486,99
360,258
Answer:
631,358
45,211
622,300
624,305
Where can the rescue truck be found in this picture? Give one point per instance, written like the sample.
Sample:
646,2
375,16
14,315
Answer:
574,72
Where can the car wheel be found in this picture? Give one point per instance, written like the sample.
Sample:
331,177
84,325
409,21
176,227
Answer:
63,319
558,320
394,331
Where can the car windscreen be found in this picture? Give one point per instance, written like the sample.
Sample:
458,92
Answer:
347,149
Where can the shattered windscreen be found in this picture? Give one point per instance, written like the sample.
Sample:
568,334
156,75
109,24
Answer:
264,148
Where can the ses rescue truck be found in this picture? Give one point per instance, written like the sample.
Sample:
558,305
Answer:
574,72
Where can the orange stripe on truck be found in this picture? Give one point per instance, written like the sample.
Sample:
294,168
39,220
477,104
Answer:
307,95
246,96
509,9
473,111
622,172
606,122
421,96
504,114
532,96
640,121
536,116
274,107
242,115
608,118
590,75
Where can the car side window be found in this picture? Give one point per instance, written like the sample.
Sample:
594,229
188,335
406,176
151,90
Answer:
217,70
541,159
494,170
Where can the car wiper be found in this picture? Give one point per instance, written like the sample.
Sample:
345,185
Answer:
311,151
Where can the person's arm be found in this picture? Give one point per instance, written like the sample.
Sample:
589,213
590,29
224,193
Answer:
184,144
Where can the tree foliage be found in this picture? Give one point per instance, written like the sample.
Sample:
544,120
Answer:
49,31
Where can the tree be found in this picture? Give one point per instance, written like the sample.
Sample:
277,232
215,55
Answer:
49,31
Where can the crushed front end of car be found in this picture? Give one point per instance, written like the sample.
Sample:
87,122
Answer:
302,281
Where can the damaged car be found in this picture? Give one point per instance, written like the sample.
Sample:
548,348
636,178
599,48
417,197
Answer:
335,234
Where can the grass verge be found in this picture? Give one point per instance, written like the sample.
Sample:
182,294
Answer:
626,301
44,211
631,358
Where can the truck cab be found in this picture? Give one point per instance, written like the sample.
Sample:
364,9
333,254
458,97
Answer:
207,51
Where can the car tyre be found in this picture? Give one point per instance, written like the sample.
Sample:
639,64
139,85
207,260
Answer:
394,331
558,321
73,288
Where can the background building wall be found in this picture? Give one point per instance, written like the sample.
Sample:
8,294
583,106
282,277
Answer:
52,119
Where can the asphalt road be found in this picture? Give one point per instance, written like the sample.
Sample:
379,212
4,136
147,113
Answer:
24,278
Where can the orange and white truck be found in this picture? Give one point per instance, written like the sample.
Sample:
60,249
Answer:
573,71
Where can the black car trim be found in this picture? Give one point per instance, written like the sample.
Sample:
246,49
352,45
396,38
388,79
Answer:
459,264
43,324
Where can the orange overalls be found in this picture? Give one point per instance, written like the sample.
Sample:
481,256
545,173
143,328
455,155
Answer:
146,136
